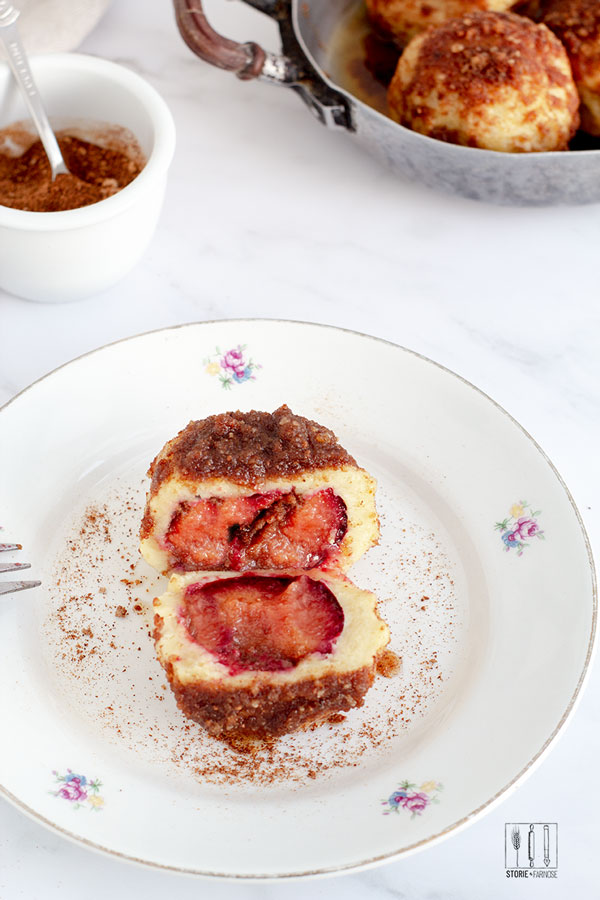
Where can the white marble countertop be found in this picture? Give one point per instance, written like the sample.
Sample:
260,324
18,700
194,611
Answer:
270,215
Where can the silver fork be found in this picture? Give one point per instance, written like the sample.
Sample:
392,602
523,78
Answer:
8,587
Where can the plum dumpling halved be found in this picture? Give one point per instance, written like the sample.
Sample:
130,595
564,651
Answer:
253,491
254,656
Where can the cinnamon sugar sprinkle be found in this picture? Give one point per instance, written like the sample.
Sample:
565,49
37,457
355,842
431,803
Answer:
105,673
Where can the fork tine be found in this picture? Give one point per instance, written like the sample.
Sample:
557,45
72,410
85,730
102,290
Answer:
9,587
12,567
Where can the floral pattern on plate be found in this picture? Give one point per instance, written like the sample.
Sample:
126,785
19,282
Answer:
232,366
519,527
78,790
413,798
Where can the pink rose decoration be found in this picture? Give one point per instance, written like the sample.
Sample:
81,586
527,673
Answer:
234,360
515,532
416,803
73,790
78,790
232,366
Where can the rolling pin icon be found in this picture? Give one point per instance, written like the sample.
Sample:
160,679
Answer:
531,845
546,845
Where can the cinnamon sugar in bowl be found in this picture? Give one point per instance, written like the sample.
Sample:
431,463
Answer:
80,235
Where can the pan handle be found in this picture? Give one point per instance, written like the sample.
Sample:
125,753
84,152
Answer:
249,60
246,60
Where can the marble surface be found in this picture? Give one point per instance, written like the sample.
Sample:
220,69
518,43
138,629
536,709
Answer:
270,215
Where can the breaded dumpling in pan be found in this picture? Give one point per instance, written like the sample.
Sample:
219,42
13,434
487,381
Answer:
403,19
491,80
577,25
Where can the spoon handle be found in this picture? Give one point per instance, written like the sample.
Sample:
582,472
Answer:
17,60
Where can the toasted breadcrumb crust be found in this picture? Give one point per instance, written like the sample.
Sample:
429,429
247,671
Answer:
492,80
264,712
247,447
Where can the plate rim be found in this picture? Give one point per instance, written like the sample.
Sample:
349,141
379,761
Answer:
470,817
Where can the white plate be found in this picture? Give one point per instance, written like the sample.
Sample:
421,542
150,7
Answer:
495,631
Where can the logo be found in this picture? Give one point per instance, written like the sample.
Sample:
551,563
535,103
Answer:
531,849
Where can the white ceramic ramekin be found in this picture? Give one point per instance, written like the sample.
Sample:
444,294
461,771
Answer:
60,256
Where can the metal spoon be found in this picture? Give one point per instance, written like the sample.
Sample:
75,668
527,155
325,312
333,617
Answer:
17,60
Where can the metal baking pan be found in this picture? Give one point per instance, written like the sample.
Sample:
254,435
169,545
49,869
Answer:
308,30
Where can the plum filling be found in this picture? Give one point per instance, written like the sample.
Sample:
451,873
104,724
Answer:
257,622
200,532
264,531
